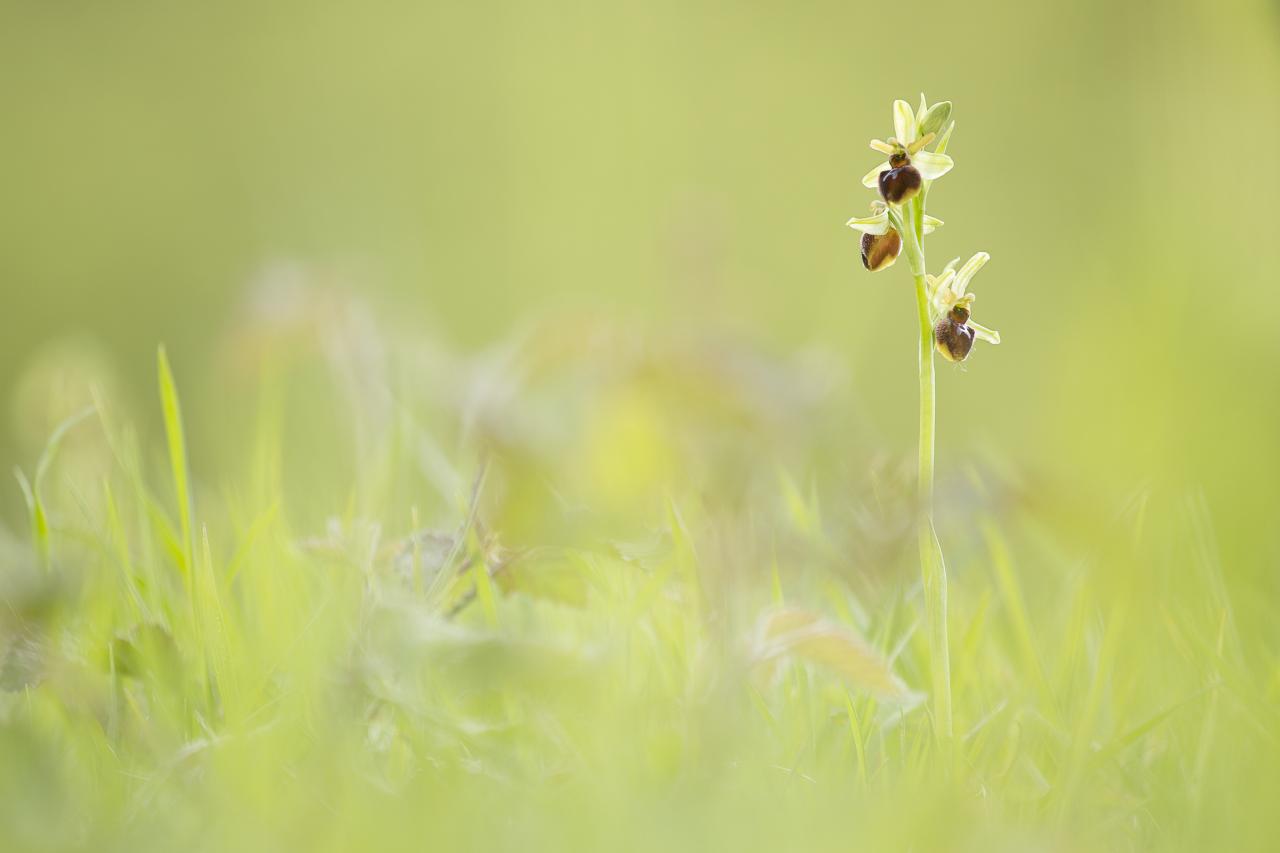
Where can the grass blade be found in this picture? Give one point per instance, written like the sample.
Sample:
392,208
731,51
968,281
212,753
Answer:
172,410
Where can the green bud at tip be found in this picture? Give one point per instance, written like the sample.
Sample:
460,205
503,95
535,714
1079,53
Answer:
936,118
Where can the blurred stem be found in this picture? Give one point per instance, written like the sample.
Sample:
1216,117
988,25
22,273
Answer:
932,567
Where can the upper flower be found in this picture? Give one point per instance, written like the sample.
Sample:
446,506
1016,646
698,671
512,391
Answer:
905,149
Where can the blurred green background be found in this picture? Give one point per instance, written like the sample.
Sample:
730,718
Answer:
676,168
473,164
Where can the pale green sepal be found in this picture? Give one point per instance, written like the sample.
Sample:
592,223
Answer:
904,123
981,332
871,180
932,165
875,224
941,147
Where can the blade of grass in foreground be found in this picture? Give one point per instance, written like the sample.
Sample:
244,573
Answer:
935,596
184,554
177,454
214,629
33,490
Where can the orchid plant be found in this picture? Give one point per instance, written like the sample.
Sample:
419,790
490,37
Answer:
898,224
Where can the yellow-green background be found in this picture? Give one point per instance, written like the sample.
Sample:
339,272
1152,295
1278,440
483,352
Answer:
667,166
474,163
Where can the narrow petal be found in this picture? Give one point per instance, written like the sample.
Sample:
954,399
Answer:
931,224
875,224
881,146
941,147
871,180
951,265
904,122
939,286
920,142
981,332
932,165
968,271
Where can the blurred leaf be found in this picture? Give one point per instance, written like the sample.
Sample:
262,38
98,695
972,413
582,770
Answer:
22,661
553,576
795,633
146,650
648,552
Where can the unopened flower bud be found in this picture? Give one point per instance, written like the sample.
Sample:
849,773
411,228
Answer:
936,118
880,250
952,336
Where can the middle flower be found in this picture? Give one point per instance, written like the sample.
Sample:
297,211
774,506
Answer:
881,242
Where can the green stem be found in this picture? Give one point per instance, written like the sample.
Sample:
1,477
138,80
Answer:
932,567
924,480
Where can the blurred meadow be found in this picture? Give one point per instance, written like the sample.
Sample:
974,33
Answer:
528,461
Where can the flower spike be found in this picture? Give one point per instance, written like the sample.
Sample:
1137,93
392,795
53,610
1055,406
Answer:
899,220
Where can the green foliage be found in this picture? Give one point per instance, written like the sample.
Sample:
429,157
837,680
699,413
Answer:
475,579
719,661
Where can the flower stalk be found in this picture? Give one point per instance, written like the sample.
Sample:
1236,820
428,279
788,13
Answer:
932,567
899,223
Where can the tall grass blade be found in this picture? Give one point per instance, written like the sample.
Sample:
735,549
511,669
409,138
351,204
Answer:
172,410
33,490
